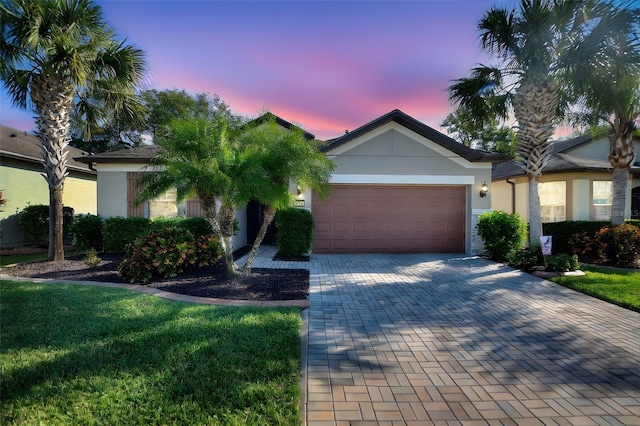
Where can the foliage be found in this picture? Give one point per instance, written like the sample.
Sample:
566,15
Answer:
565,239
619,245
522,259
62,57
34,221
486,134
502,233
91,258
166,253
87,232
118,232
562,263
198,226
74,354
619,286
295,231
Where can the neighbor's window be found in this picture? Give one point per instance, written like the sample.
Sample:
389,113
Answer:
553,201
602,199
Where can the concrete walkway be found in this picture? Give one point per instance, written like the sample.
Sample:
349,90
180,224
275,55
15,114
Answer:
454,340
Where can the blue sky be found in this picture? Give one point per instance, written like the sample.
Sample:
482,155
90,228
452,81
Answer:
329,66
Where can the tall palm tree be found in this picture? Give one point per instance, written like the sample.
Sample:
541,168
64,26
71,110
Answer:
605,76
57,56
272,158
528,43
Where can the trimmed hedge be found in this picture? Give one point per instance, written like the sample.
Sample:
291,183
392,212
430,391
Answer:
34,221
87,232
502,233
563,231
295,231
119,231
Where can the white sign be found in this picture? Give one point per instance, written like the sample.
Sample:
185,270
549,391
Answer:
545,244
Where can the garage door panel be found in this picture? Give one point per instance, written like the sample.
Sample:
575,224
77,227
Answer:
370,218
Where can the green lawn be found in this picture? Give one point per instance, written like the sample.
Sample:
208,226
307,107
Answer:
18,258
73,354
618,286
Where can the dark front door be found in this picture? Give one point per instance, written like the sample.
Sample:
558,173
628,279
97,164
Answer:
255,216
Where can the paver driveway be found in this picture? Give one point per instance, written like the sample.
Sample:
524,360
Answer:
445,339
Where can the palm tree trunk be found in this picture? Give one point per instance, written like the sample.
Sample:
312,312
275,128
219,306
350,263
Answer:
53,100
621,156
219,222
269,214
227,215
535,105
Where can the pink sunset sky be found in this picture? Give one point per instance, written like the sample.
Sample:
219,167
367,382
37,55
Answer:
328,66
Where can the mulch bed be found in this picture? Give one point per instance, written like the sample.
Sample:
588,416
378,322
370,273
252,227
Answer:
209,281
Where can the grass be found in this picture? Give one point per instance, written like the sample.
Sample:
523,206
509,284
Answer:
618,286
19,258
73,354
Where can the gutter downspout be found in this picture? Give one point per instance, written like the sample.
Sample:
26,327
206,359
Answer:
513,195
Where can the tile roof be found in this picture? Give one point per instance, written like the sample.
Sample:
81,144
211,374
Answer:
561,161
473,155
140,154
23,146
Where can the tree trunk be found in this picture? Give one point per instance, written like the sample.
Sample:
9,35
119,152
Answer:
269,214
219,222
53,100
535,105
621,156
535,220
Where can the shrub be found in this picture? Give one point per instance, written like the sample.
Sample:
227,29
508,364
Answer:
562,262
502,233
524,260
198,226
118,232
295,231
91,258
166,253
563,232
619,245
87,232
34,221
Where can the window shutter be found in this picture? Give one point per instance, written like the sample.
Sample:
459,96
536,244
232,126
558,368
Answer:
132,193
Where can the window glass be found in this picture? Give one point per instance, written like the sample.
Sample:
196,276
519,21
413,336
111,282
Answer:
553,201
164,206
602,199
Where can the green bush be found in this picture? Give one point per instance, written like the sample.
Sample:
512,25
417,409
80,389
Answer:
523,259
87,232
34,221
502,233
562,262
119,231
619,245
198,226
166,253
563,232
295,231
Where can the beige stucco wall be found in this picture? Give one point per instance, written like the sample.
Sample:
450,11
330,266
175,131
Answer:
392,154
579,187
21,183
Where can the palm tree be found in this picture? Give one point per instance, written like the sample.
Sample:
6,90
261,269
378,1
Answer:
273,157
528,42
57,56
605,75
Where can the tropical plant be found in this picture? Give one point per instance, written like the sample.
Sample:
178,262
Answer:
486,134
605,78
528,42
295,231
199,159
273,158
54,56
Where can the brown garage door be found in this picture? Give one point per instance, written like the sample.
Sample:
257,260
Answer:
390,219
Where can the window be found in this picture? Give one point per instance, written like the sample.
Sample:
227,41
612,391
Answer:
602,199
164,206
553,201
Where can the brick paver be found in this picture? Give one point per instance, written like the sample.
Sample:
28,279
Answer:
449,339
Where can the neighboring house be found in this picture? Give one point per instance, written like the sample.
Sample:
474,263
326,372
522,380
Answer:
399,186
22,182
575,184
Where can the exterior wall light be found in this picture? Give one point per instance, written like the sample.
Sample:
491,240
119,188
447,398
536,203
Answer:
484,189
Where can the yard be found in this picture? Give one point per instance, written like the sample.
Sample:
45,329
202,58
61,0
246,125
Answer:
619,286
75,354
